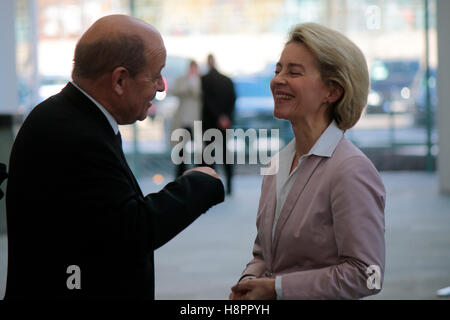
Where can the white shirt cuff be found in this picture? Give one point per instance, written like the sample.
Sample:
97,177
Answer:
278,288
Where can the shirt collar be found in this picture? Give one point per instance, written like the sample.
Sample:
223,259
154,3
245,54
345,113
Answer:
328,141
108,116
324,146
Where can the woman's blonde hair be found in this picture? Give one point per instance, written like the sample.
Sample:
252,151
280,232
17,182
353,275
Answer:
340,62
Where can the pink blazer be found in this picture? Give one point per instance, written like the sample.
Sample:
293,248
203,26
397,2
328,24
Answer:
330,229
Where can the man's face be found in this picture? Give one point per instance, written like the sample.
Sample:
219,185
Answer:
144,85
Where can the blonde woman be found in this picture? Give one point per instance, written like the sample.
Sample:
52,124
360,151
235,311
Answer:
320,220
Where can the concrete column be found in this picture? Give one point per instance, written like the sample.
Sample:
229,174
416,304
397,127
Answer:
8,89
443,111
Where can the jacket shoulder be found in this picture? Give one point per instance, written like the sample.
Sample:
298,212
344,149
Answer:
349,160
62,120
346,150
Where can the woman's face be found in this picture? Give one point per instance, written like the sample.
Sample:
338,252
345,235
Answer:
297,87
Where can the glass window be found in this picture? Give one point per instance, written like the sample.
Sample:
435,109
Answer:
247,37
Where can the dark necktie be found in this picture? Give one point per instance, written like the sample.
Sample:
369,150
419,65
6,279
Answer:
122,155
119,139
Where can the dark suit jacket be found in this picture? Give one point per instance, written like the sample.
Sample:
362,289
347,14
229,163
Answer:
218,97
72,200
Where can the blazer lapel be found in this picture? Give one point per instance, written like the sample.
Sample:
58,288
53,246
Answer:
268,216
300,182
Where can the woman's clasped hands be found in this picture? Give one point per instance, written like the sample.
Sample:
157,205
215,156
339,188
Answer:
254,289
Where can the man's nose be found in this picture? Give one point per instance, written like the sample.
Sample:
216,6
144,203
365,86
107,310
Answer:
161,85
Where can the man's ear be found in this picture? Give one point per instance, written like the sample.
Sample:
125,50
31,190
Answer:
336,92
118,79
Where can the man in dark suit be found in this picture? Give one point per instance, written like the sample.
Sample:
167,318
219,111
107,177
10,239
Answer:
78,223
218,106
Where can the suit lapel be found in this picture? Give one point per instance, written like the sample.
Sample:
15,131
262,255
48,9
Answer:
300,182
126,167
131,175
82,102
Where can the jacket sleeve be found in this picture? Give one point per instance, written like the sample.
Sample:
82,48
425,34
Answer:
180,203
257,266
129,221
357,203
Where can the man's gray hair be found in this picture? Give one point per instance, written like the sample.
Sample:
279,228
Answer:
92,60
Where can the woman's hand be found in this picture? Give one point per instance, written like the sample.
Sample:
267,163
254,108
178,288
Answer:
254,289
237,295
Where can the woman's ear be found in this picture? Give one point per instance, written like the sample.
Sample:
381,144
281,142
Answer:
118,79
336,92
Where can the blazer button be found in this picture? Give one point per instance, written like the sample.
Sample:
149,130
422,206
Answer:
269,274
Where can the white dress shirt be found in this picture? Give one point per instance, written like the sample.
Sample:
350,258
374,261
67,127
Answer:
324,147
108,116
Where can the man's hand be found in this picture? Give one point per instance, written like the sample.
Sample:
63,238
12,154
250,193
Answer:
206,170
254,289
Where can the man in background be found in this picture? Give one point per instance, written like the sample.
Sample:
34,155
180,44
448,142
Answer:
219,98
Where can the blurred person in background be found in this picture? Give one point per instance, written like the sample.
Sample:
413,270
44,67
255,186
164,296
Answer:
320,222
218,99
188,90
78,223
